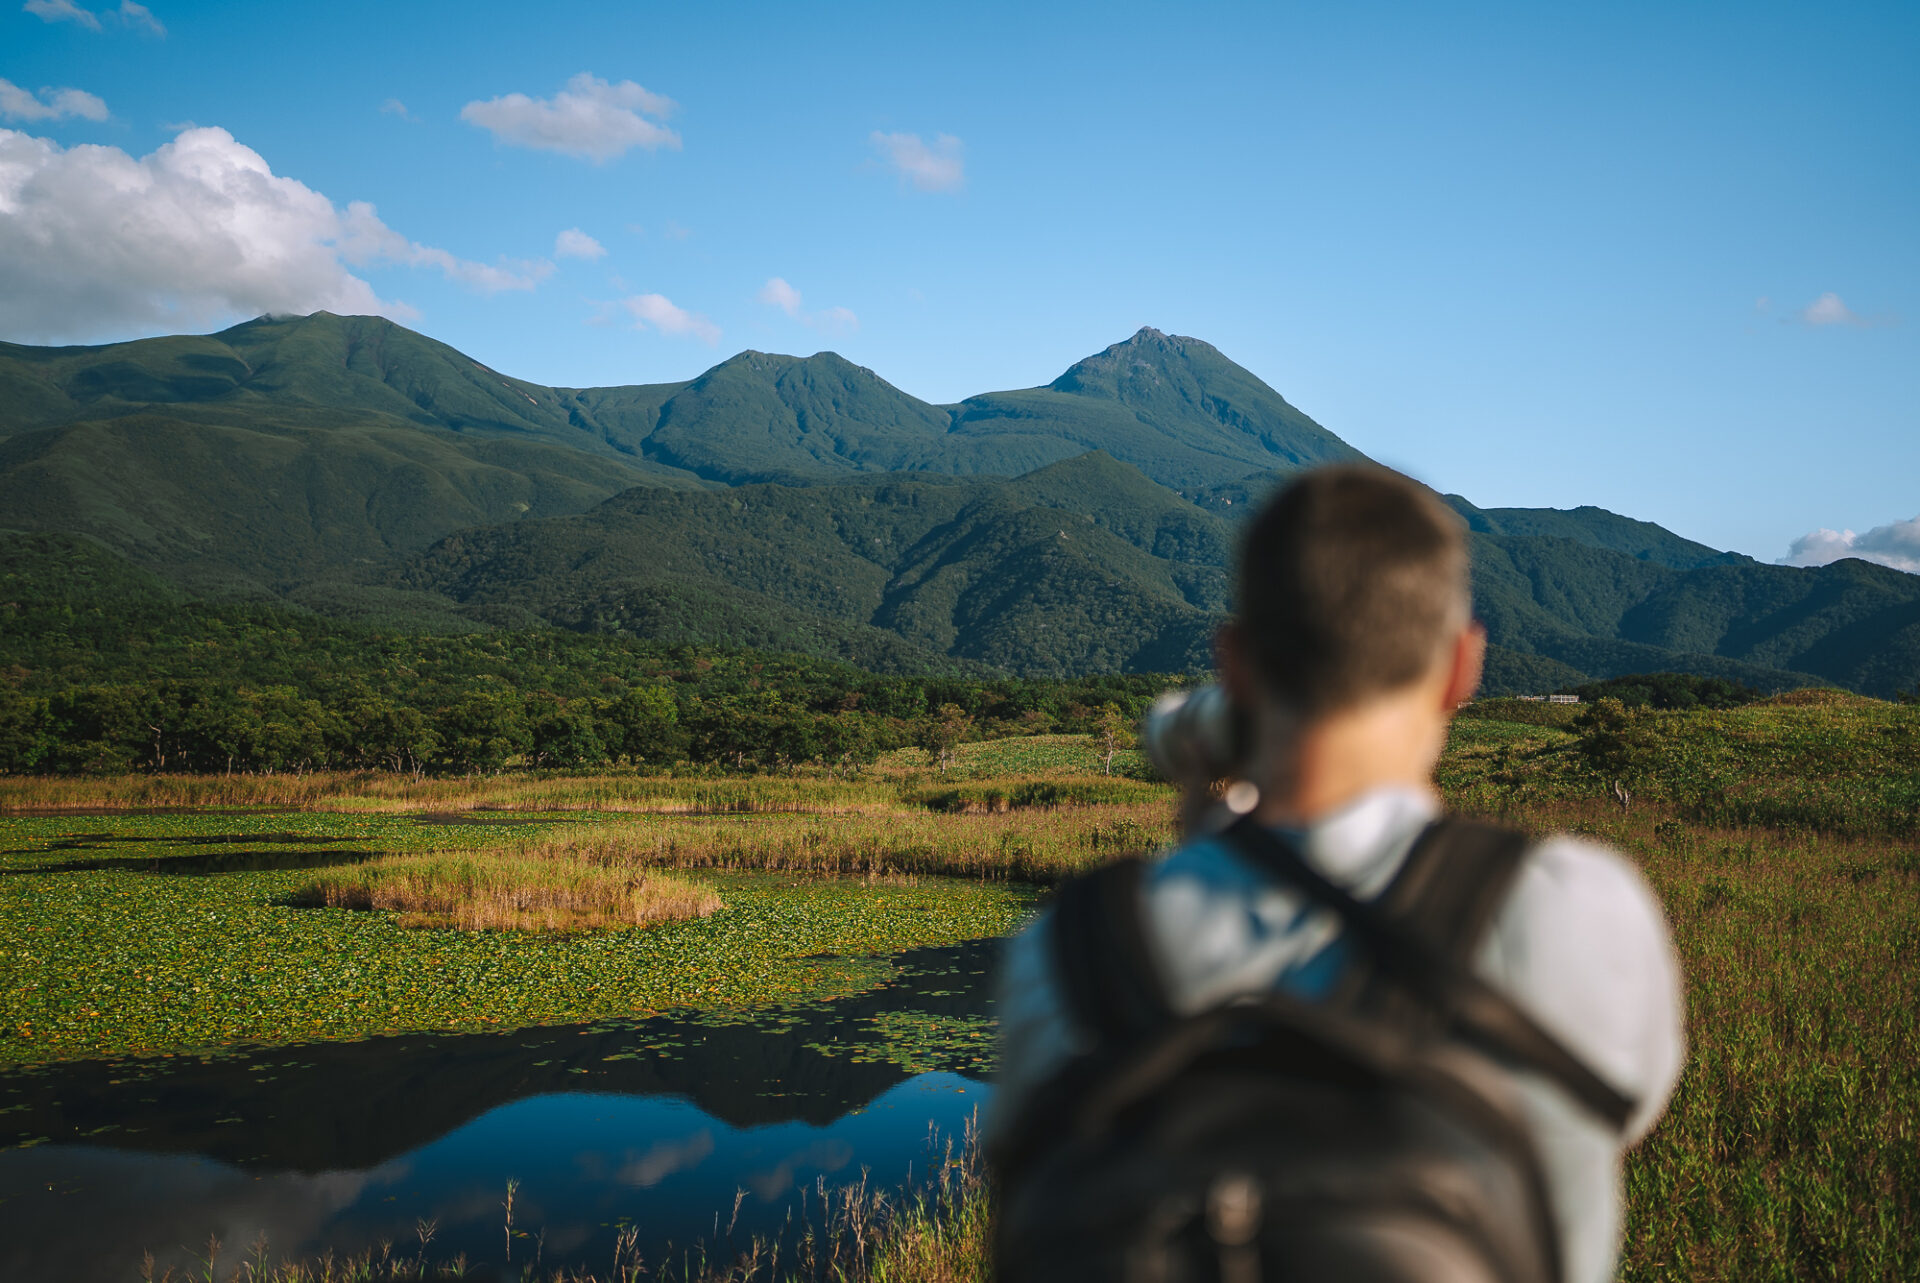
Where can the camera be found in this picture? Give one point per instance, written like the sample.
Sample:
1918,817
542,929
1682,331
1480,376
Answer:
1196,734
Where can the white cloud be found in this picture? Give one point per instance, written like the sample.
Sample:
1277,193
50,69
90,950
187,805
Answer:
394,107
574,243
835,320
1896,545
96,243
938,168
658,311
141,17
777,293
368,240
61,11
130,14
21,104
663,1159
590,118
1829,310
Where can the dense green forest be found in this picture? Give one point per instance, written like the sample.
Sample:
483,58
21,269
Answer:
107,668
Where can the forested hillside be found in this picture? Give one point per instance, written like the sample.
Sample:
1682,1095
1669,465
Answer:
285,448
105,667
349,467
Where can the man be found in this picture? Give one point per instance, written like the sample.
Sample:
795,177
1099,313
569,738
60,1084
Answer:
1353,647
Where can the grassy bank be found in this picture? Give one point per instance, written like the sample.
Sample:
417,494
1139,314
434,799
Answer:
1791,1149
1819,762
1044,769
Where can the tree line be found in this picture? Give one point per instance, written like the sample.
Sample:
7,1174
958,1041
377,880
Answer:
105,668
481,710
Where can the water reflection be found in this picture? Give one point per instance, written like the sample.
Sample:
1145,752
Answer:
654,1123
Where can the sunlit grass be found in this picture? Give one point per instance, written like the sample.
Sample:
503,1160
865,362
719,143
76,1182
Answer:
378,792
473,892
1039,846
1818,762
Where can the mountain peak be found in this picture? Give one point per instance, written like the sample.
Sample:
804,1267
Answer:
1148,355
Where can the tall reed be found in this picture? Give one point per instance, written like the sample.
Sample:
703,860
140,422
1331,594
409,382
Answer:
1037,846
472,891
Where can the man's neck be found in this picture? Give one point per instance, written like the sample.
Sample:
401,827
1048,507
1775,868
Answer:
1391,742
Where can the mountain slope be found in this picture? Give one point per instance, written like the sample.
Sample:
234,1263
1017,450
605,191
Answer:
1087,565
1054,573
1174,407
289,448
759,416
221,500
293,448
364,368
1597,528
349,463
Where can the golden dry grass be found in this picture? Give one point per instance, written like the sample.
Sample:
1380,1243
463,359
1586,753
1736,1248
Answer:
380,792
485,892
1038,845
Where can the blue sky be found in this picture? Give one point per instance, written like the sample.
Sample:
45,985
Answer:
1660,258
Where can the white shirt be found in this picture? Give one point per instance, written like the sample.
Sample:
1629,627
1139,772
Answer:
1580,944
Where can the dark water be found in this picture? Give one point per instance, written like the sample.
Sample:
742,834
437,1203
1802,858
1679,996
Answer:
337,1145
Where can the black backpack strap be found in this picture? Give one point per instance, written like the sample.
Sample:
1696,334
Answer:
1109,991
1453,881
1100,955
1475,1009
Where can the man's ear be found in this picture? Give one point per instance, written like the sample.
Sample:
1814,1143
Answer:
1468,663
1230,662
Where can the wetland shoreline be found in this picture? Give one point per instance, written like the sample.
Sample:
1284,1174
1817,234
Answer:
1779,839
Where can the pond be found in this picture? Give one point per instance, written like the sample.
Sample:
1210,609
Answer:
661,1125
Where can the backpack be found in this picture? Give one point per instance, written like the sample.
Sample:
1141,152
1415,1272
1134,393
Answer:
1372,1136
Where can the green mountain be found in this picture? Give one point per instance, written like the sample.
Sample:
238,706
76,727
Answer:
319,367
1173,407
1087,565
758,416
288,449
1082,566
352,467
285,449
1597,528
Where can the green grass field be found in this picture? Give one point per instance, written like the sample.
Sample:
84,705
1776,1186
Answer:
1781,838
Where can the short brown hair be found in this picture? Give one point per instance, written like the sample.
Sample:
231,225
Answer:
1351,579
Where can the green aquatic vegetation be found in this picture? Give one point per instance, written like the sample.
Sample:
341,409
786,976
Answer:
921,1042
117,960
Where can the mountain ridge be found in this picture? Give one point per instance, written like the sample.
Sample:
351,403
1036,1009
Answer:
804,502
